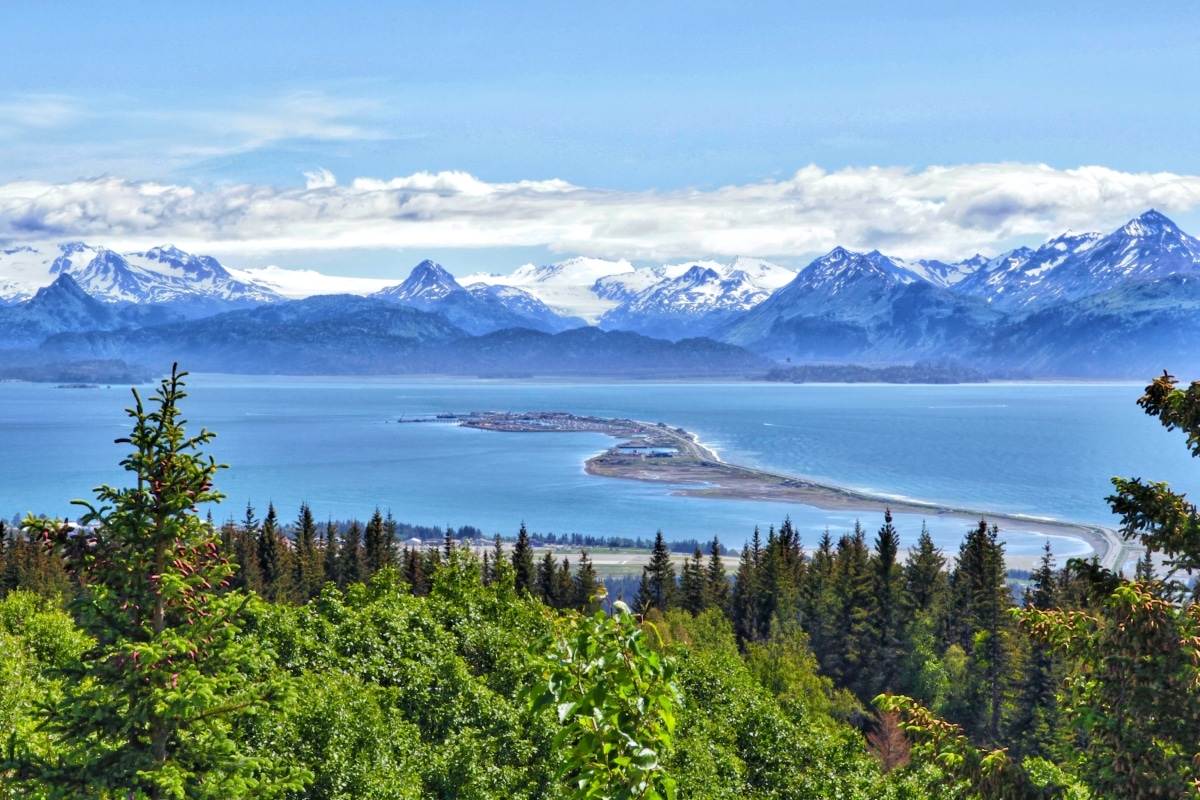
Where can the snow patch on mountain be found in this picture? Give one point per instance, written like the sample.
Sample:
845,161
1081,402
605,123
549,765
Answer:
428,283
296,284
565,286
1072,266
159,275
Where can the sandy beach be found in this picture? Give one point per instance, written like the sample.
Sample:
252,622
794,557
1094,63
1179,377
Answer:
660,453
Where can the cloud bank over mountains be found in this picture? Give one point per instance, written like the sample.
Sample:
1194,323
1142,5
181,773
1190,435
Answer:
938,211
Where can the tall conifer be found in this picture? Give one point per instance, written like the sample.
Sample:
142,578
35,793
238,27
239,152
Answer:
586,584
522,560
272,561
332,555
888,613
744,602
353,567
692,594
982,600
924,575
716,582
546,583
660,574
1035,720
373,549
155,707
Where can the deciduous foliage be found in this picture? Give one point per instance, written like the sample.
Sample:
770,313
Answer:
616,700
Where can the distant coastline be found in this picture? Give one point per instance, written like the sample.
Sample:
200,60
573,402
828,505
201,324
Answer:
923,372
660,453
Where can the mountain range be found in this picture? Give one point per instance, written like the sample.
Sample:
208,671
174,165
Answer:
1084,304
477,309
346,334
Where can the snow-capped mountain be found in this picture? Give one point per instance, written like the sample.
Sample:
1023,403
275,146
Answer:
566,286
64,307
23,270
296,284
860,305
1128,331
841,269
427,284
482,309
941,273
1014,279
1073,266
159,275
763,273
520,302
690,304
647,299
1088,303
623,287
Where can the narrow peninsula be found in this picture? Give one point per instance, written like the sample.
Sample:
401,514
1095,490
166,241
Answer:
661,453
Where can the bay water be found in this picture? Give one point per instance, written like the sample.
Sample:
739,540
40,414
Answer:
1038,449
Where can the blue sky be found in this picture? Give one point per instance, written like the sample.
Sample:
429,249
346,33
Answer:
618,97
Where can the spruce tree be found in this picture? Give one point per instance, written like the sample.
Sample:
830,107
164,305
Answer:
888,614
768,582
249,574
564,586
414,572
585,585
388,556
982,600
307,566
660,573
271,557
153,708
716,582
816,597
431,562
522,560
547,573
492,563
924,575
1144,570
352,567
644,601
373,548
249,520
853,634
332,555
1034,724
744,603
692,583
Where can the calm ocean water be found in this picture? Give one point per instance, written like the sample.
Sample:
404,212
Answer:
1037,449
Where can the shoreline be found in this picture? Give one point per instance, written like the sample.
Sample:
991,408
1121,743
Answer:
659,453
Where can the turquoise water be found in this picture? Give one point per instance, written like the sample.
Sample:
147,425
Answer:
1036,449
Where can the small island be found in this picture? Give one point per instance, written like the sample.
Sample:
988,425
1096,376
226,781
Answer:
662,453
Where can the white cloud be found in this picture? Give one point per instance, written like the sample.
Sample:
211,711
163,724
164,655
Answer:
938,211
112,134
26,112
319,179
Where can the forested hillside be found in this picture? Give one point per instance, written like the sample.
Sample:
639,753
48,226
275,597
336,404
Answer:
148,653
